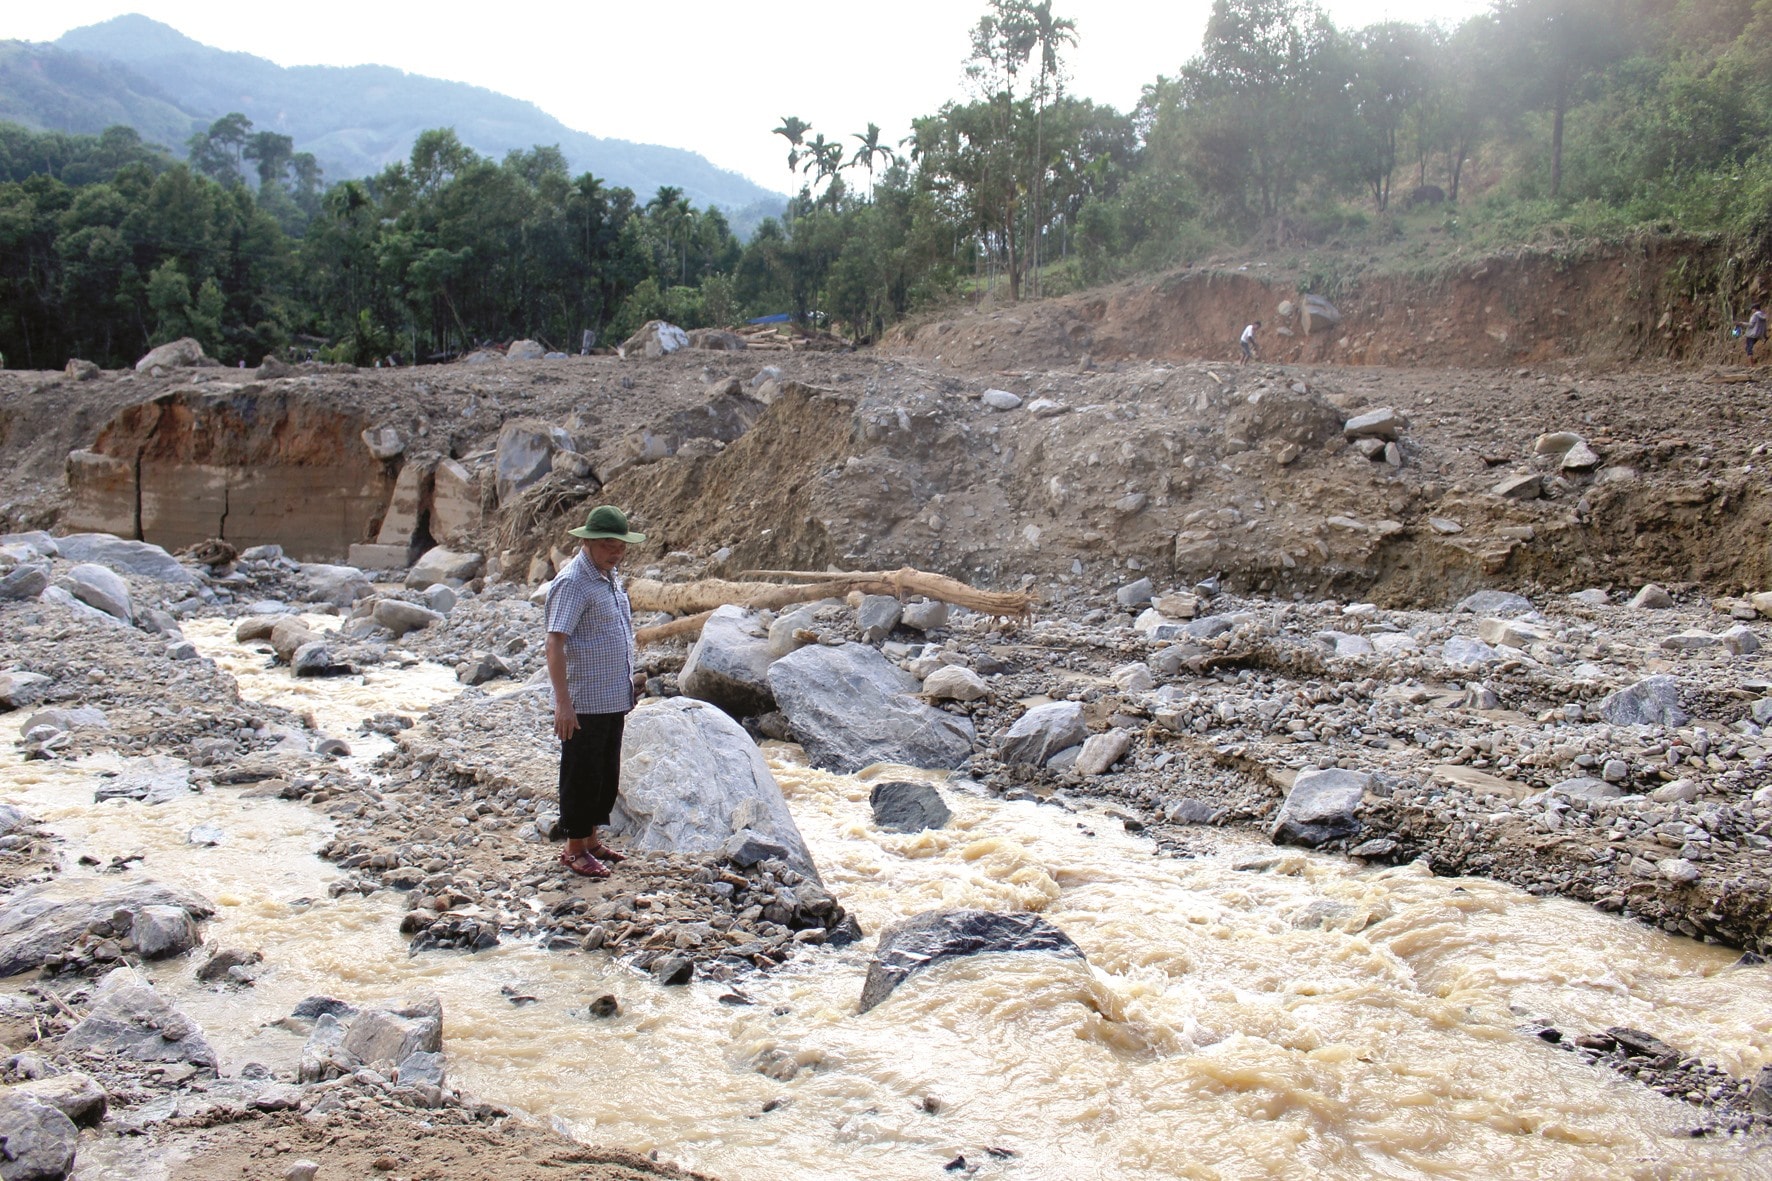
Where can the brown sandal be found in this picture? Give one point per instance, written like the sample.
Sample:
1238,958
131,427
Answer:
613,856
584,864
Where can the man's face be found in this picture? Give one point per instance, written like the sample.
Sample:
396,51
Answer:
605,553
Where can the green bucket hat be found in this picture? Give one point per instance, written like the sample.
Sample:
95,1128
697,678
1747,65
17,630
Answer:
607,521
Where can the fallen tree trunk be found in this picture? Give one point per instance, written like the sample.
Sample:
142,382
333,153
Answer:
907,580
689,598
701,597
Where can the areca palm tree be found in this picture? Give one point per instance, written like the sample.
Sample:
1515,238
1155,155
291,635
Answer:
869,149
793,129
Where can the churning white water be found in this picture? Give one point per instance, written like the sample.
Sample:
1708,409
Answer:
1252,1013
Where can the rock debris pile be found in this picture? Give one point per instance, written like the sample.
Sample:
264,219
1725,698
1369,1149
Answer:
1505,624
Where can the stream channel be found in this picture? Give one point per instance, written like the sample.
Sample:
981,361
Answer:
1250,1012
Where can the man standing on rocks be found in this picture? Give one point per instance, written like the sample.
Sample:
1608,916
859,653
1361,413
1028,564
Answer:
1247,342
591,658
1756,331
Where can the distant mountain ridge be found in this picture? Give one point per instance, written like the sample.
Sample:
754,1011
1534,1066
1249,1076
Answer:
355,119
46,88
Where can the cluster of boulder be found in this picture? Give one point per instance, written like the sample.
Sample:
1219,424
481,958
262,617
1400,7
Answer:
112,1054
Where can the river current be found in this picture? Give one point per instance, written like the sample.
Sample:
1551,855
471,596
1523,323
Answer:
1250,1013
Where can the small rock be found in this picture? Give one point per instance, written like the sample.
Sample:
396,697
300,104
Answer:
1135,594
1502,604
954,682
1678,870
1192,812
1380,424
673,969
1042,732
877,616
1680,791
903,806
925,615
1653,598
1320,807
1653,701
1102,751
1527,486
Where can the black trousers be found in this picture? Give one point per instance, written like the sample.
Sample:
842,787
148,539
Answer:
590,773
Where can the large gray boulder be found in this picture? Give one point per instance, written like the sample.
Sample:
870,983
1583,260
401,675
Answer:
1652,701
1322,806
129,557
182,353
851,707
729,664
100,587
525,454
39,1140
44,920
928,938
1042,732
339,585
129,1019
691,778
443,565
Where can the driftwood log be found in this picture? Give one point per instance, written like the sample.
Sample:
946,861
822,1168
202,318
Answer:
695,601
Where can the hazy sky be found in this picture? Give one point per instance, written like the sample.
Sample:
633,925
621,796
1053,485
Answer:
710,77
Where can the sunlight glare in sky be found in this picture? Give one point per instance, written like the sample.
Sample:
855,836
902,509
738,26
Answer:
710,77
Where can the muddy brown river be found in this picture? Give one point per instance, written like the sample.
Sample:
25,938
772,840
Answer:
1250,1013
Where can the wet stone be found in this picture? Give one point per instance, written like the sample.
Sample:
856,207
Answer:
915,943
903,806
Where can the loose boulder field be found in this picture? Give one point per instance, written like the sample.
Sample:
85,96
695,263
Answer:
1505,621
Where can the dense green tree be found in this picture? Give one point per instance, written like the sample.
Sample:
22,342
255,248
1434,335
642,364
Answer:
1387,70
1555,48
1261,107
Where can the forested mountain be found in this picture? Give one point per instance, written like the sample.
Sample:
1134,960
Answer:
48,88
1546,123
354,120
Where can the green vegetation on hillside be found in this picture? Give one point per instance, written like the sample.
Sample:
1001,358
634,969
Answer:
1544,121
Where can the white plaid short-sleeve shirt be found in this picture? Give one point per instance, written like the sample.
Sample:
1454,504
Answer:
591,610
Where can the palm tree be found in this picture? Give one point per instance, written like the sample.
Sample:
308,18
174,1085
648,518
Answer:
793,129
870,148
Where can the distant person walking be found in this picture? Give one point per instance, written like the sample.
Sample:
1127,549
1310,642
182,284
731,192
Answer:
1756,331
1247,343
591,659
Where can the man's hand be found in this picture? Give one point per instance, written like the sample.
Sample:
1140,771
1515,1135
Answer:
565,721
639,685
